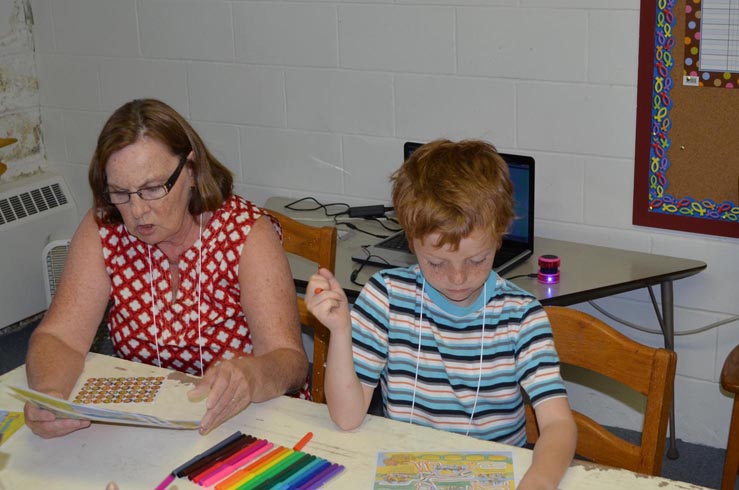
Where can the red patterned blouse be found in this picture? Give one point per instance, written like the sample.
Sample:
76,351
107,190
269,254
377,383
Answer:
138,326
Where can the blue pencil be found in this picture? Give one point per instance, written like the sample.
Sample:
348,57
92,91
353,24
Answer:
324,477
318,478
311,471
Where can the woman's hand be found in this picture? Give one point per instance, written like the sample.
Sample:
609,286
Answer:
47,424
325,298
229,387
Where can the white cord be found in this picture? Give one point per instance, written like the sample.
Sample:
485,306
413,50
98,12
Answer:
418,354
154,308
482,344
200,269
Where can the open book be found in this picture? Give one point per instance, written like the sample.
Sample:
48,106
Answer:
69,410
117,391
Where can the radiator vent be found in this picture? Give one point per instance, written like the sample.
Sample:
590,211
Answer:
31,202
33,209
53,256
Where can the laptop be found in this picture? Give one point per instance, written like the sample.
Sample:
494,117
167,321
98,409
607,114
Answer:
518,243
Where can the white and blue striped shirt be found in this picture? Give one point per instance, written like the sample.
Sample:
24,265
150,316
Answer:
518,351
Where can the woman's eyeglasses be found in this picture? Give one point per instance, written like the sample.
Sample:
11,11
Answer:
147,193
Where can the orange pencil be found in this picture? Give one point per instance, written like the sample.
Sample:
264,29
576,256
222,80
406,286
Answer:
302,442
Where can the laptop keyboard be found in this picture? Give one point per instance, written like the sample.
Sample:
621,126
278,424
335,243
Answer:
395,242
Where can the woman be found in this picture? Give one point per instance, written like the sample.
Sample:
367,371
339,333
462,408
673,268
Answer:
197,277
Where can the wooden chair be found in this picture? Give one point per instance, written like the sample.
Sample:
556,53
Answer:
585,341
730,382
317,245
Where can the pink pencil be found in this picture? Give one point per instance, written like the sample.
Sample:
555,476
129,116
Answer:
165,483
224,471
234,457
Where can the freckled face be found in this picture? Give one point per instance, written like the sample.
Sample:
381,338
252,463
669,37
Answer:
457,274
149,163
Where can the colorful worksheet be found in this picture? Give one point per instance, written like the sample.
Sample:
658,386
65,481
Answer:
474,470
9,423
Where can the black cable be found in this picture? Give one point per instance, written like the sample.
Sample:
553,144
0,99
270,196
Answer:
318,206
382,223
354,227
355,272
351,226
521,275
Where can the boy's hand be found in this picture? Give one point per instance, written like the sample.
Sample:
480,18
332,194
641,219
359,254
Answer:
325,298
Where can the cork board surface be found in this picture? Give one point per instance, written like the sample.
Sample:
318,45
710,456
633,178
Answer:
704,154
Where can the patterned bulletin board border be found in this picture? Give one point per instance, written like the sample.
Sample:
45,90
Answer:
660,200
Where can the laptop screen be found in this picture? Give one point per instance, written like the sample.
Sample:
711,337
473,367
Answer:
521,173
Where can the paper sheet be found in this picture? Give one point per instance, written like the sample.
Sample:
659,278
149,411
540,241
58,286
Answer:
481,470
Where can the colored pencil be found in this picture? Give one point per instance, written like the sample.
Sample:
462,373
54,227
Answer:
324,477
261,470
308,476
208,462
165,483
233,463
279,475
270,472
266,459
302,442
304,460
224,452
309,468
177,471
246,447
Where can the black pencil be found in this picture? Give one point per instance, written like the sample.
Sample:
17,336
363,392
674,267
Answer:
178,471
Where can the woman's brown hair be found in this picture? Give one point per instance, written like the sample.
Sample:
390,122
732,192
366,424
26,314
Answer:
156,120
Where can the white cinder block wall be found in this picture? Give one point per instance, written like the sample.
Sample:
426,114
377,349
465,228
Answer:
19,96
307,98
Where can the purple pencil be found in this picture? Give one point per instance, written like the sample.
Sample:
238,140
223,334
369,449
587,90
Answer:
321,477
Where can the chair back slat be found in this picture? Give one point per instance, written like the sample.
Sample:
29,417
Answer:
586,342
316,244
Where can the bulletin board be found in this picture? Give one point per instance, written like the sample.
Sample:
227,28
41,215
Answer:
686,169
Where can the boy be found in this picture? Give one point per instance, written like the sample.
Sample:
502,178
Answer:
449,341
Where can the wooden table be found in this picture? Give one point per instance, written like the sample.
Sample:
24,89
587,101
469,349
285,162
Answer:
140,457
